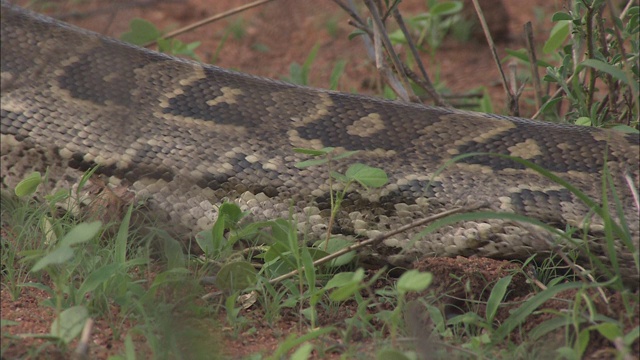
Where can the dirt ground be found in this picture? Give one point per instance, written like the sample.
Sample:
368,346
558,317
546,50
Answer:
265,41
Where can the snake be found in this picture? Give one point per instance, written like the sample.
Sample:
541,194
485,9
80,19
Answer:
186,137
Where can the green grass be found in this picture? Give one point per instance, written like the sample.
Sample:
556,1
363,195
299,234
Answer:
88,267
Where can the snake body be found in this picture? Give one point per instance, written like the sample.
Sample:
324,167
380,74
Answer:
187,136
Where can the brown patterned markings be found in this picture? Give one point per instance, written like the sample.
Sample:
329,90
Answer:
349,115
229,96
526,150
85,76
302,108
366,126
546,205
456,129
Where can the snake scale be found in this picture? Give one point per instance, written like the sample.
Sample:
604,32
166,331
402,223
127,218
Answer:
187,136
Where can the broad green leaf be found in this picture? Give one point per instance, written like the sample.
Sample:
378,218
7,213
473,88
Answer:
582,342
583,121
68,325
609,330
497,294
336,244
446,8
80,233
414,280
558,35
28,185
303,352
560,16
397,37
609,69
97,278
58,256
342,279
366,175
548,326
346,285
391,354
309,269
626,129
237,275
129,347
169,276
231,212
519,315
336,175
632,336
141,32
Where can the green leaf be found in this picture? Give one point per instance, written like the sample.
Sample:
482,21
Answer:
355,33
347,284
548,326
97,278
414,280
129,347
141,32
342,279
561,16
583,121
522,54
345,154
312,162
336,175
609,69
309,269
582,342
366,175
391,354
69,323
213,242
294,340
397,37
336,244
626,129
632,336
336,74
122,237
446,8
314,152
5,322
237,275
497,294
303,352
609,330
58,256
80,233
28,185
558,35
519,315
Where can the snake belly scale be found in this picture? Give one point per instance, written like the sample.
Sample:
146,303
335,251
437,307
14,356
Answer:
186,136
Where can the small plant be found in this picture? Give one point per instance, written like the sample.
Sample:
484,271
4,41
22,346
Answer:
593,61
143,32
434,25
362,174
